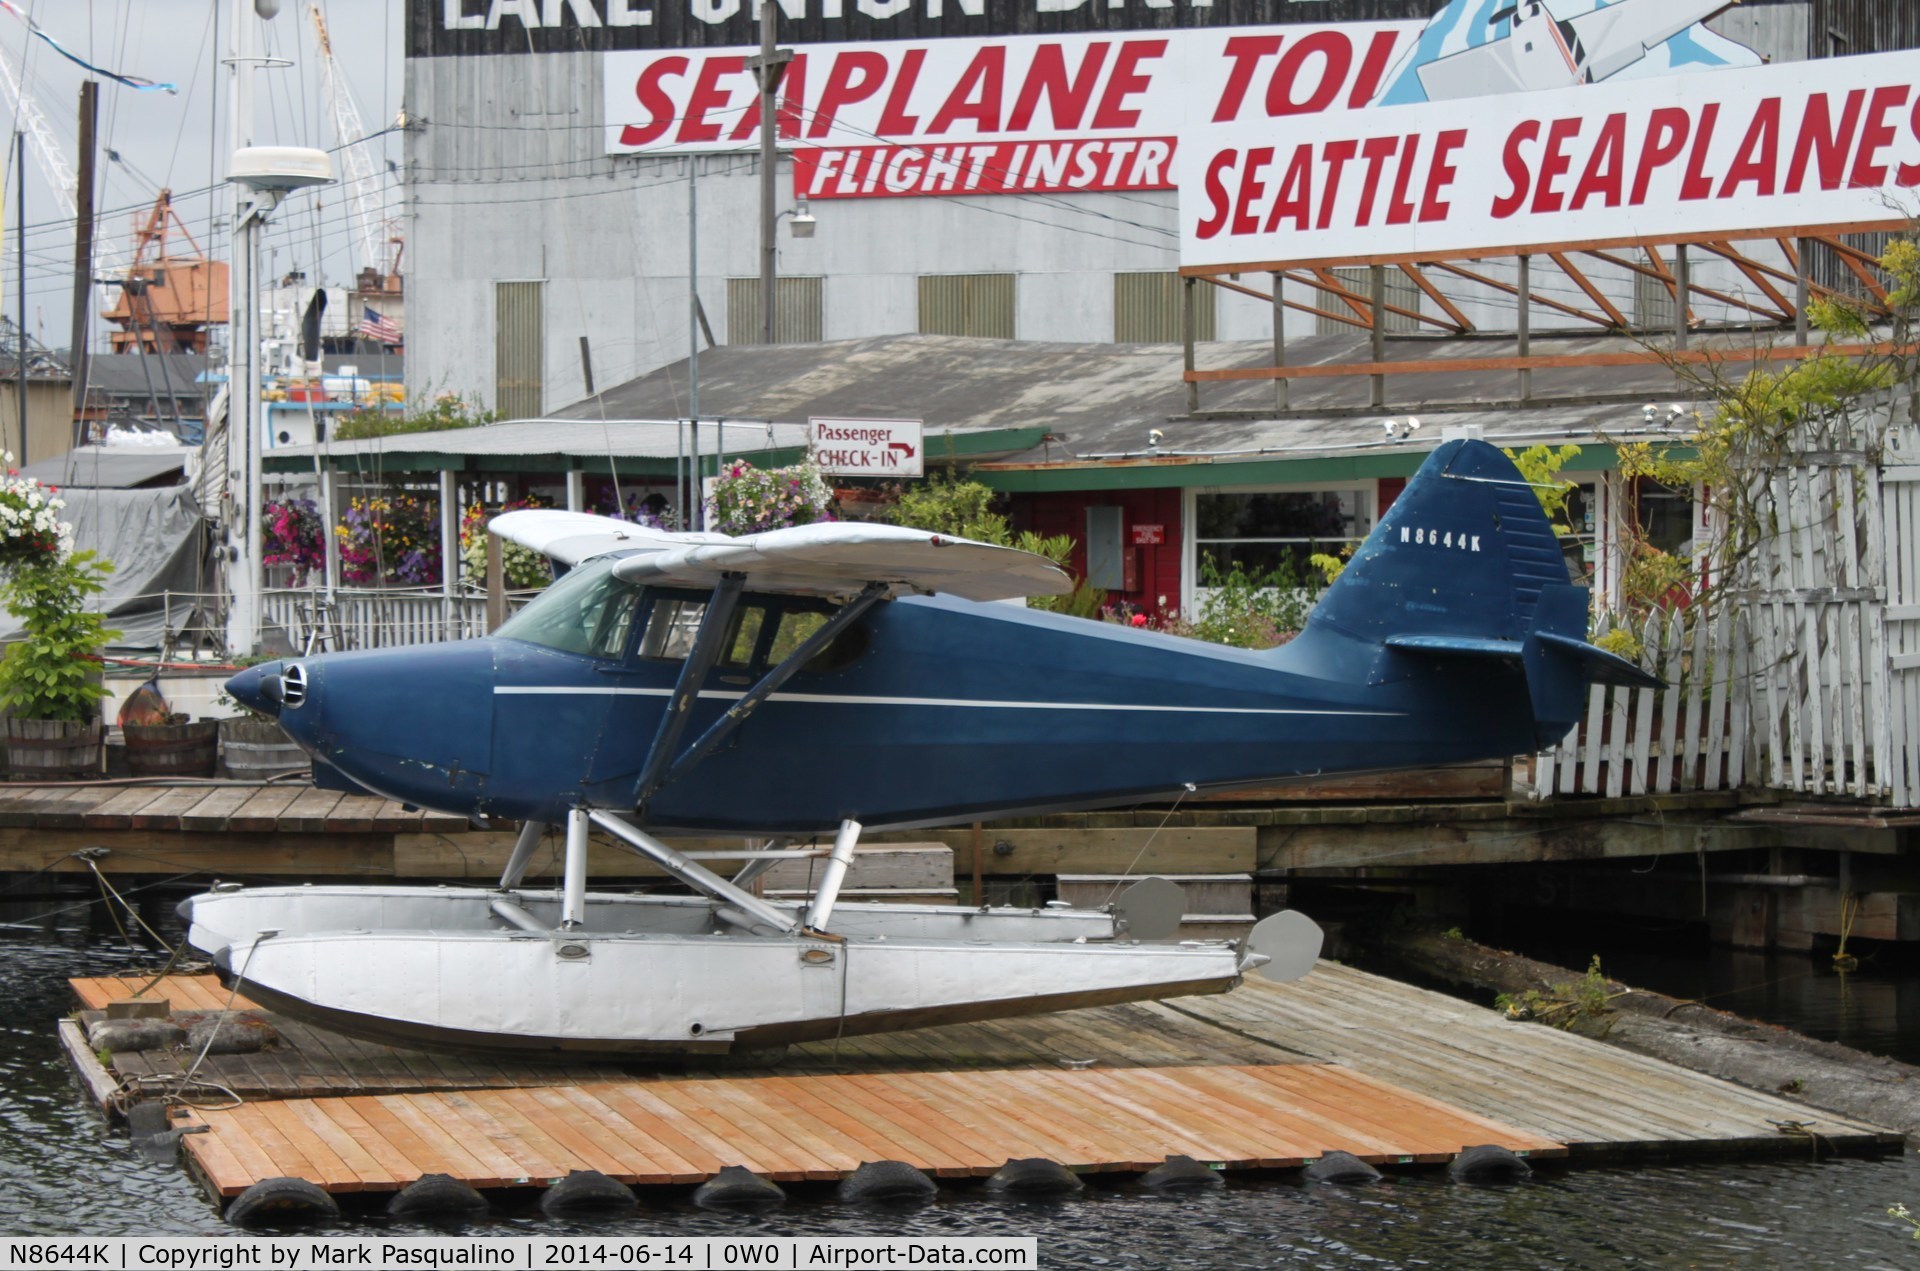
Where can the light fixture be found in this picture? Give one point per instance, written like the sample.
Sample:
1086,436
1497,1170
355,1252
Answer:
268,10
1154,438
803,222
1400,429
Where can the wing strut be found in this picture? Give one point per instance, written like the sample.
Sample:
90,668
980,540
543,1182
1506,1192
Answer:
693,673
694,875
769,684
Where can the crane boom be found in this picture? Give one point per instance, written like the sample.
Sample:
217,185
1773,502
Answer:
52,158
362,186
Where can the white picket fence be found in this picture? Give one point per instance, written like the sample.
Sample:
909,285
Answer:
1689,735
1807,676
374,618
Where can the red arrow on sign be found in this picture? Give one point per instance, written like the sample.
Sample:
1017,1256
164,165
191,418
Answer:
902,447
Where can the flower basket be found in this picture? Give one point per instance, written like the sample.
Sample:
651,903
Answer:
173,750
750,500
54,749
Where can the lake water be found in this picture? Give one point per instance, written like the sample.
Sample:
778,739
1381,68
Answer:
65,1172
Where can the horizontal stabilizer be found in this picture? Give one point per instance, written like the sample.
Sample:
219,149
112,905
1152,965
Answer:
1598,665
1457,646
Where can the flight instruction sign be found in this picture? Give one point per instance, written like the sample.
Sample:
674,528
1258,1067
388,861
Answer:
1775,147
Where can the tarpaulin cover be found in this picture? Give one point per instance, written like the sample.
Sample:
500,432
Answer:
154,539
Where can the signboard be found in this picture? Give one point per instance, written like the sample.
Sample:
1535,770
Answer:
867,447
1018,114
1771,147
1149,535
520,28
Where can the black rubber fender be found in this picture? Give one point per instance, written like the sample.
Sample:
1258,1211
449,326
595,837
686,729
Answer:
1182,1173
1034,1176
1341,1167
588,1191
432,1194
144,1120
887,1180
738,1185
1488,1163
282,1202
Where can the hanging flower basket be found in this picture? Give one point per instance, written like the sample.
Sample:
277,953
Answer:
750,500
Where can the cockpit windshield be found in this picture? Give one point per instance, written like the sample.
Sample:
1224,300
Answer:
588,612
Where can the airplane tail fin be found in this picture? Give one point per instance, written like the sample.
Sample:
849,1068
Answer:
1464,569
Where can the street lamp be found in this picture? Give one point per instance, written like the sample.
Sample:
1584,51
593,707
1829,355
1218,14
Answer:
264,175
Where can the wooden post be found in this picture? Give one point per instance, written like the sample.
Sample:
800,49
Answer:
1801,292
1682,296
576,490
1524,324
1279,340
496,584
83,269
1186,337
1377,278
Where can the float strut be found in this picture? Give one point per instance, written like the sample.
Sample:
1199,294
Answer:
835,875
523,848
573,904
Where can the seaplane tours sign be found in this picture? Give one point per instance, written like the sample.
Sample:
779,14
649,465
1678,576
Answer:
1835,141
867,447
1070,113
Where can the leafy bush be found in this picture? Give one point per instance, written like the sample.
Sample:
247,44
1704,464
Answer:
49,673
444,412
946,504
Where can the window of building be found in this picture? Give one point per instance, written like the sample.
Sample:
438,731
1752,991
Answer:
1268,531
1400,291
1149,309
967,304
797,308
1652,304
519,328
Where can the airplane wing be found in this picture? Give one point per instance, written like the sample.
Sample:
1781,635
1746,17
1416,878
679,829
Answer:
838,558
1481,71
571,537
1607,41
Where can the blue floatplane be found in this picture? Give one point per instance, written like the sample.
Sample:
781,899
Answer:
827,679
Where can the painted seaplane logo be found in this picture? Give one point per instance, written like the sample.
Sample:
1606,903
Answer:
817,680
1477,48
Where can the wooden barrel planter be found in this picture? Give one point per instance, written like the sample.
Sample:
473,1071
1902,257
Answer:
53,749
256,749
173,750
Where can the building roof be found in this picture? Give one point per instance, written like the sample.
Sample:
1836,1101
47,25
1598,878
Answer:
1012,407
113,467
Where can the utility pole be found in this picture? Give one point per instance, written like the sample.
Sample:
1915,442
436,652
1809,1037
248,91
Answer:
20,278
767,66
82,256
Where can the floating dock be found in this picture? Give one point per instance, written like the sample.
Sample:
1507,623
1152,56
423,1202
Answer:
1268,1076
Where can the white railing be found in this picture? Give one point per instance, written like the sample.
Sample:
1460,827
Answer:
376,618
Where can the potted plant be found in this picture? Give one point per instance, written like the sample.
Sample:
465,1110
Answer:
50,679
749,500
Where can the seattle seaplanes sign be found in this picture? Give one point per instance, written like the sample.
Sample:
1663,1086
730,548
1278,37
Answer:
1745,152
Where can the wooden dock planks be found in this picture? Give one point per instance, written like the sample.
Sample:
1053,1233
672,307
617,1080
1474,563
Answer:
821,1127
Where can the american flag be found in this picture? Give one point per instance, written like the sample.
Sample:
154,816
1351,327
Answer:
377,326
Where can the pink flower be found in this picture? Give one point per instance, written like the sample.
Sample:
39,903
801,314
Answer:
1138,620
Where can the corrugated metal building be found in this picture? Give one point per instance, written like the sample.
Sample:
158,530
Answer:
528,234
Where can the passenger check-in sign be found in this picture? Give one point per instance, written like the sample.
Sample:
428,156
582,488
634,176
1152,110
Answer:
867,447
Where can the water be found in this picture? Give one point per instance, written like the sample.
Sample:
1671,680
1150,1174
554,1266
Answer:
66,1173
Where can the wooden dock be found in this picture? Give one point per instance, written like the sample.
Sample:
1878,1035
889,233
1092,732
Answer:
1268,1076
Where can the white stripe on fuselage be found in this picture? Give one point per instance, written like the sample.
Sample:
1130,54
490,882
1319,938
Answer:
833,699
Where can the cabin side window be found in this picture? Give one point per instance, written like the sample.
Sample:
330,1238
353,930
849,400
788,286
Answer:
761,635
671,627
797,624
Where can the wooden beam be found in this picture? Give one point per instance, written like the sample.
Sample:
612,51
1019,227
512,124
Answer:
1439,366
1497,251
1857,261
1673,287
1295,305
1460,321
1754,275
1179,849
1580,280
1512,290
1325,280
